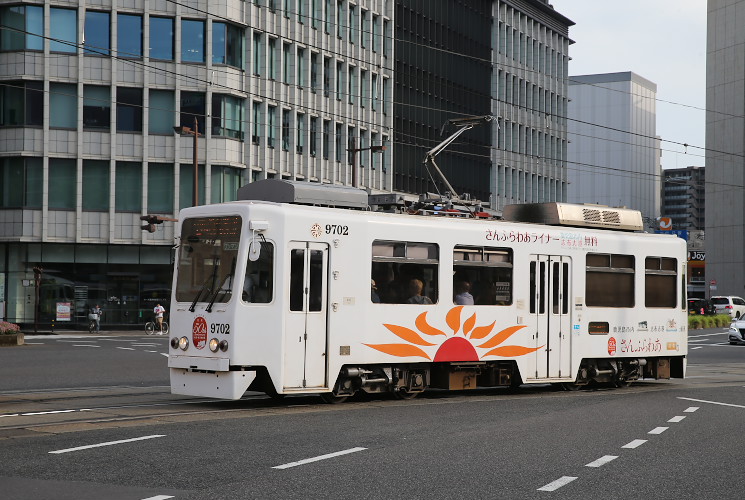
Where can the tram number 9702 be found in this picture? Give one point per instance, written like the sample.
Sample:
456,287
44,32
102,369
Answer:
223,328
337,229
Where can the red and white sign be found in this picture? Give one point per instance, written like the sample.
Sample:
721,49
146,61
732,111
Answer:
199,332
612,346
666,224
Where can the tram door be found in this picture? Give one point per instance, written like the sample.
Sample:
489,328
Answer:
550,288
305,333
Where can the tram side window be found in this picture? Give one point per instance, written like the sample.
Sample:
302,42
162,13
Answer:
405,272
482,276
258,285
660,281
609,280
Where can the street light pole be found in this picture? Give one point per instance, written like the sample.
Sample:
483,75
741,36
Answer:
354,151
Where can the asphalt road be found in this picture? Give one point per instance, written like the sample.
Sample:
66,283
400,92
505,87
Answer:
133,440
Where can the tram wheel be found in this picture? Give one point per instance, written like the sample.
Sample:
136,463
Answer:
332,399
404,394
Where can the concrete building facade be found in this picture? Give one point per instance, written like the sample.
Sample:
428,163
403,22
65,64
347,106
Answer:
90,93
614,154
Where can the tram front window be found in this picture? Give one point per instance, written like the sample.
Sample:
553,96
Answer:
207,259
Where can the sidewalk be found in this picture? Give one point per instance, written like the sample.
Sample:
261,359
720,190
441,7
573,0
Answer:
104,333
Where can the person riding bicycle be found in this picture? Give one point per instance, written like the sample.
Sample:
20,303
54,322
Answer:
95,315
159,310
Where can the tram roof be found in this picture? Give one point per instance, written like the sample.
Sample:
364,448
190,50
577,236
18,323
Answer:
304,193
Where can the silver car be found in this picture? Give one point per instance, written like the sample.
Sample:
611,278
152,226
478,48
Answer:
736,334
729,304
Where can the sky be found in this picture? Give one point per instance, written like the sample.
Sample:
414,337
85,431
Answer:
663,41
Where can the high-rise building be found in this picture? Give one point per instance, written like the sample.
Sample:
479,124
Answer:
725,147
684,197
91,94
614,154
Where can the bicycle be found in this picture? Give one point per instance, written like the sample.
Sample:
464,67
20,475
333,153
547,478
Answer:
151,328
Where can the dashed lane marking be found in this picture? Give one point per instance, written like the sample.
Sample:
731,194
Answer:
159,497
690,409
634,444
658,430
316,459
85,345
126,348
555,485
109,443
602,461
676,419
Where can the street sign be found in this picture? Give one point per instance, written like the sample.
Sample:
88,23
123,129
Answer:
680,233
666,224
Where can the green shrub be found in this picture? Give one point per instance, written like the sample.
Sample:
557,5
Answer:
720,320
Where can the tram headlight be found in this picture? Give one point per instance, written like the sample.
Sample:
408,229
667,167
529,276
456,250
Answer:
214,344
223,345
174,343
183,343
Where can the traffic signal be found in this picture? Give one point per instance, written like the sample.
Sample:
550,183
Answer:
151,220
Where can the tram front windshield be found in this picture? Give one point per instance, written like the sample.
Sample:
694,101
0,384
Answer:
207,259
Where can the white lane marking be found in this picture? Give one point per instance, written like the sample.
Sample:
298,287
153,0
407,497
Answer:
658,430
555,485
126,348
51,412
602,461
706,335
159,497
145,345
676,419
711,402
316,459
164,354
10,415
85,345
151,351
634,444
110,443
34,343
694,348
690,409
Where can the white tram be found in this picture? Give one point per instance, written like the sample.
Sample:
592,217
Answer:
288,298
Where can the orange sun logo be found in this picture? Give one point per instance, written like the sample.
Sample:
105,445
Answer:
455,348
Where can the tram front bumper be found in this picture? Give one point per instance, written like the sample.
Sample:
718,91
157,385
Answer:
207,377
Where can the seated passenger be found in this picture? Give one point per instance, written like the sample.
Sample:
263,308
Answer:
415,290
463,295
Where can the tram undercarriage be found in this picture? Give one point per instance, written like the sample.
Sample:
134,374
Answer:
407,381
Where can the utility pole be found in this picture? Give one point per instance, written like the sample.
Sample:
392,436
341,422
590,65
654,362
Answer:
182,130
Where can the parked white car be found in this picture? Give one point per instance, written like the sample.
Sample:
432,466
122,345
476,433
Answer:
729,304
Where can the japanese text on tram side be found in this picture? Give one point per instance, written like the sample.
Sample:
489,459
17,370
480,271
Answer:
640,345
567,240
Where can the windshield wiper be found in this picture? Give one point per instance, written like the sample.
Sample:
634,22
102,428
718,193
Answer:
217,290
212,278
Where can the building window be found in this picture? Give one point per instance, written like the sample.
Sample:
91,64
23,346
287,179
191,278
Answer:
313,135
301,67
374,33
285,130
21,103
225,184
300,140
313,72
373,156
339,81
192,41
352,23
350,145
256,135
129,41
314,6
186,187
128,109
21,182
363,87
363,28
161,38
227,116
96,185
160,188
161,112
352,84
326,139
62,183
327,17
271,111
128,187
338,143
286,63
28,24
193,105
301,11
63,105
340,18
272,59
326,76
257,54
227,44
374,89
63,30
384,97
96,107
384,35
97,33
